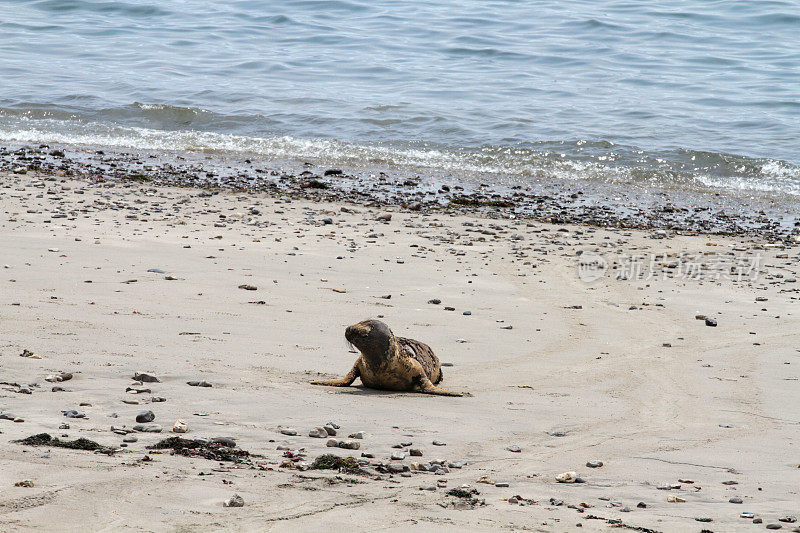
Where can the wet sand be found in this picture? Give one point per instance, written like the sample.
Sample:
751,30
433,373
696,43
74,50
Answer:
618,369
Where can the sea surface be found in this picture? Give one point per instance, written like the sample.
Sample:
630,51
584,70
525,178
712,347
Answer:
695,94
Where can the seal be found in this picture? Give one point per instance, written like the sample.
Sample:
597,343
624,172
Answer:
391,363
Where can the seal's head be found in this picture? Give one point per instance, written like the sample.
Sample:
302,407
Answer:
373,338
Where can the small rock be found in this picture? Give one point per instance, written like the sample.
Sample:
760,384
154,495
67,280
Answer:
180,426
711,322
129,438
398,456
289,431
735,499
501,484
148,428
145,416
415,452
27,483
318,433
248,287
567,477
234,501
332,443
350,444
358,435
594,464
438,443
514,448
199,383
145,378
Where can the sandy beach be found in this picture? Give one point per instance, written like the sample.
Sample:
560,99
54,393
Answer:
678,371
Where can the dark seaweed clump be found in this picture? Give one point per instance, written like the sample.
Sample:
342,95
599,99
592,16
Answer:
315,184
213,450
329,461
474,202
44,439
462,493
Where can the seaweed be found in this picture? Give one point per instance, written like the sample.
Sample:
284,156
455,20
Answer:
474,202
214,450
462,493
330,461
44,439
136,176
315,184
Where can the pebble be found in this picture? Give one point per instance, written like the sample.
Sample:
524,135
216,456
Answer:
330,430
438,443
129,438
774,526
145,378
514,448
594,464
350,444
318,433
711,322
735,499
289,431
199,383
148,428
567,477
332,443
501,484
398,456
72,413
145,416
415,452
358,435
180,426
234,501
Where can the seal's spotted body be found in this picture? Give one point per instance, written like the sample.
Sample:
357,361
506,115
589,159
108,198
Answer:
391,363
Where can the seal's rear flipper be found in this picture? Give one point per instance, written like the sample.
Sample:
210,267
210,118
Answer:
430,388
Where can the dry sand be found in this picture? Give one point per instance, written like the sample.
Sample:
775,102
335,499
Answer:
567,385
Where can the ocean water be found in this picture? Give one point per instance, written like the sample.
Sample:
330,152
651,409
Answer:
696,94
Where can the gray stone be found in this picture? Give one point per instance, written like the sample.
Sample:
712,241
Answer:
234,501
145,416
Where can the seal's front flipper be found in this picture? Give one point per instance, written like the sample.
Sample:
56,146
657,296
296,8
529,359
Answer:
430,388
344,382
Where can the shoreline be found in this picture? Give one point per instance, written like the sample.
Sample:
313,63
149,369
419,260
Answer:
619,205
